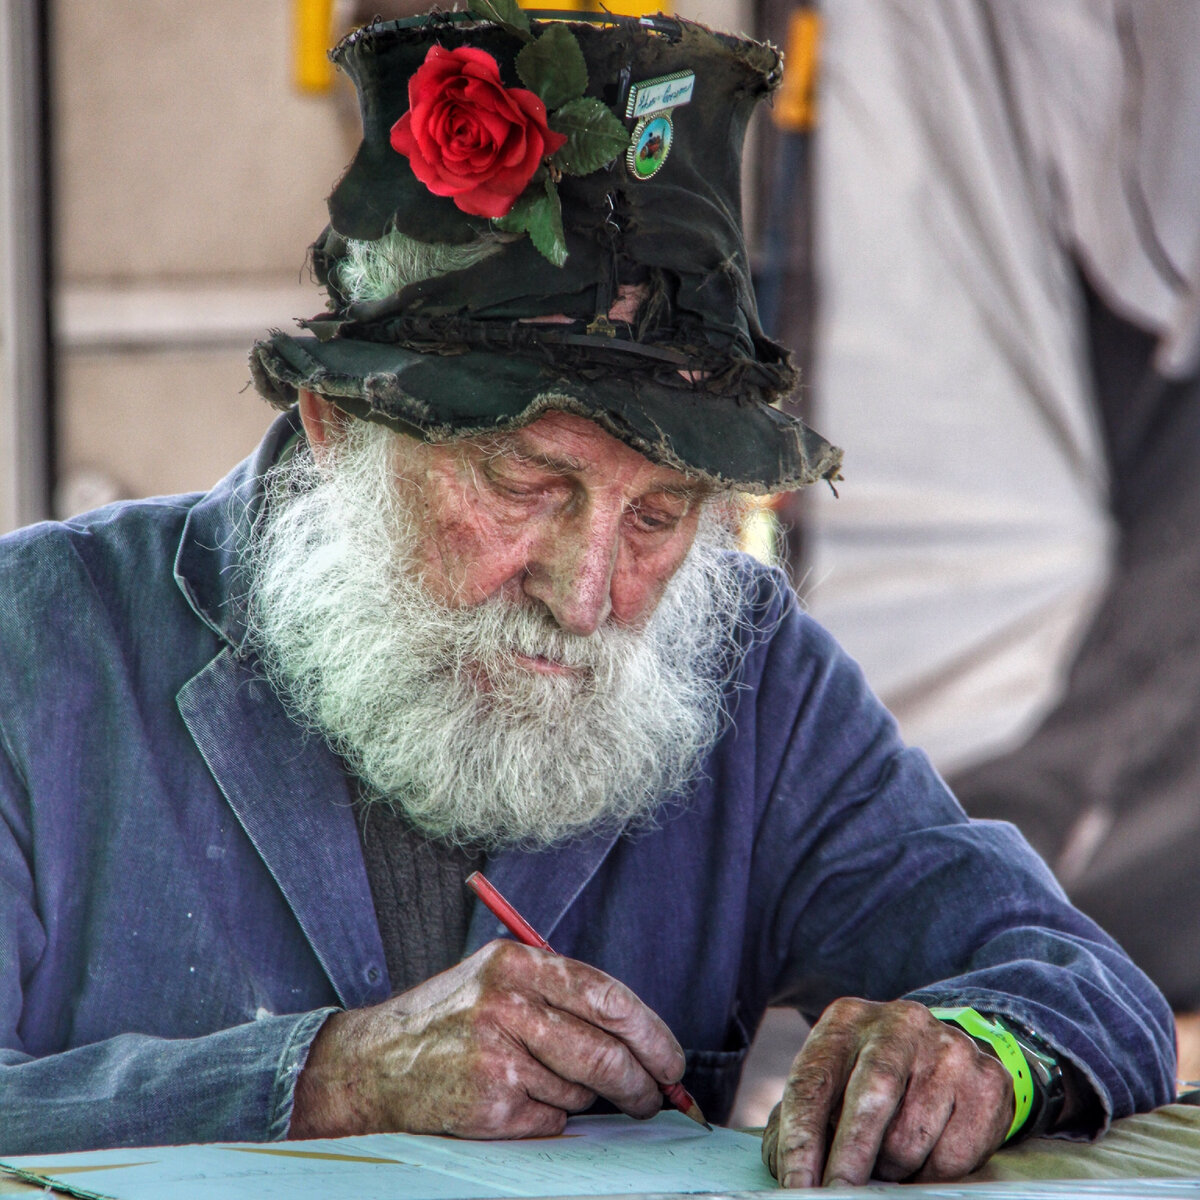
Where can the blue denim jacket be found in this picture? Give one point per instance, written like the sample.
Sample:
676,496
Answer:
183,897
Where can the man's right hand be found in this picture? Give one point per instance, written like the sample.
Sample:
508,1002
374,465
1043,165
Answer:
503,1045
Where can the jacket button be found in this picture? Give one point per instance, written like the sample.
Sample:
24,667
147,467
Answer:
372,974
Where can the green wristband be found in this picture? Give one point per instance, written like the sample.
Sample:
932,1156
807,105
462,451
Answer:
1007,1051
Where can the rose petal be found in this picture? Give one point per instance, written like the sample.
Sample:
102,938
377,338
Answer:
469,137
482,203
497,127
473,61
401,136
533,107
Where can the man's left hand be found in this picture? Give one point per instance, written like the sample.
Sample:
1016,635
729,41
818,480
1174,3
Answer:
886,1091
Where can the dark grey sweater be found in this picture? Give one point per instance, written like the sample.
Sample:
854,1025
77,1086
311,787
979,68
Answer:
421,902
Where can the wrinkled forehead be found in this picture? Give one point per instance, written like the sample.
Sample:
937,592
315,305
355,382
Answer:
564,443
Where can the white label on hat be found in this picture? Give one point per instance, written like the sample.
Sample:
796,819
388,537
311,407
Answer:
656,95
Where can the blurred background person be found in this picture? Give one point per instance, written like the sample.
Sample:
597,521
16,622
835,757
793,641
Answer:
1007,266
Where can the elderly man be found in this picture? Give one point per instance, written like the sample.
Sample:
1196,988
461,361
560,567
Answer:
470,604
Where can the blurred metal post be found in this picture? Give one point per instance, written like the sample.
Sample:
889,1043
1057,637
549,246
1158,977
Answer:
25,356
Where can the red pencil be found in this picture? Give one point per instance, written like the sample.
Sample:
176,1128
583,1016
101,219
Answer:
521,929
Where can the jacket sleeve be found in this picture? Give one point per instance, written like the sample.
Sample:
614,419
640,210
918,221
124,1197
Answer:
233,1085
883,888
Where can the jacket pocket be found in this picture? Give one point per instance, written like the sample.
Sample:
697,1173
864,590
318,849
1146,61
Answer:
712,1076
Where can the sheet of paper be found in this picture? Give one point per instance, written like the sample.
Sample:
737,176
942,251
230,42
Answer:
595,1156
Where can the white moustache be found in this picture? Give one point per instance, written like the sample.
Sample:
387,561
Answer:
434,709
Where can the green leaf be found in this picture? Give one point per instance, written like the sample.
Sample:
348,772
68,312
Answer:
594,136
538,213
553,66
513,221
507,13
546,227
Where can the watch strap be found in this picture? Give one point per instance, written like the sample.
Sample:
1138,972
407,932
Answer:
1007,1049
1049,1078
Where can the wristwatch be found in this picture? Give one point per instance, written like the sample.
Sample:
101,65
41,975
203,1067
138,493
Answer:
1049,1085
1039,1088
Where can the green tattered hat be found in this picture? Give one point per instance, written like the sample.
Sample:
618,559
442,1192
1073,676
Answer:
577,185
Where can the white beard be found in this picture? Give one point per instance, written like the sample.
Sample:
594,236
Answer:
360,652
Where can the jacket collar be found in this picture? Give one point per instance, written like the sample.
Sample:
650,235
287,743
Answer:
207,567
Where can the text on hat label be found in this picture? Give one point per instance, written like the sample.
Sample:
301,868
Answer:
655,95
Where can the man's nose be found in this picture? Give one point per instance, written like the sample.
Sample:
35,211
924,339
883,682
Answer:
571,572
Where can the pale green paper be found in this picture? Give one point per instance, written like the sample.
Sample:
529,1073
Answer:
597,1155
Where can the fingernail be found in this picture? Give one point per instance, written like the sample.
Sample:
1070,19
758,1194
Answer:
797,1179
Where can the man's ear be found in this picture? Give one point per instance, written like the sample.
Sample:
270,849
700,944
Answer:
323,422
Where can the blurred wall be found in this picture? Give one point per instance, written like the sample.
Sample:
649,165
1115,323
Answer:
189,177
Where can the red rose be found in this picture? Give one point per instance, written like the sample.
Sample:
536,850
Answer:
469,137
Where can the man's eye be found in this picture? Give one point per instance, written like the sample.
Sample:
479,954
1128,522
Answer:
655,520
507,488
506,485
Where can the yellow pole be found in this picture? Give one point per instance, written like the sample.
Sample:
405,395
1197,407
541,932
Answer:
795,108
312,35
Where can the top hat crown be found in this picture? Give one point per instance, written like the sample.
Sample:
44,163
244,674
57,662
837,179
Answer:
589,235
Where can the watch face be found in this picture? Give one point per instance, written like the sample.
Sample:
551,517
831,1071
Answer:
1043,1063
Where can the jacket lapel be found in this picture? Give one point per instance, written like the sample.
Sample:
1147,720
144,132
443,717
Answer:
283,784
293,801
286,788
541,886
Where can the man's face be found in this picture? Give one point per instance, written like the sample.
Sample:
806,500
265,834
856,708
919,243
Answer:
558,512
514,639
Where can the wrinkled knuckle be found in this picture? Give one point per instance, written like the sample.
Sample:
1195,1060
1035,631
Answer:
488,953
912,1015
793,1158
508,956
578,1097
887,1076
877,1101
846,1009
612,1001
545,1121
858,1140
492,962
609,1066
908,1149
490,1112
958,1050
807,1084
995,1071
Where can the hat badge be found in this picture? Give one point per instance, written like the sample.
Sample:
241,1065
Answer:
651,103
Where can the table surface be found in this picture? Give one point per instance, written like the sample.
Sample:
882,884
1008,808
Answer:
1145,1157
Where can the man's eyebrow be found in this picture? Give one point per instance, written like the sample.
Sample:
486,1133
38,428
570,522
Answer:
511,445
693,489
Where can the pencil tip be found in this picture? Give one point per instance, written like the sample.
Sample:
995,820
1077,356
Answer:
697,1116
